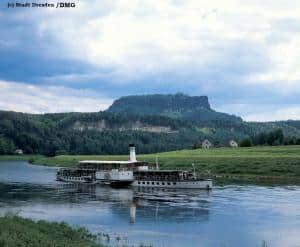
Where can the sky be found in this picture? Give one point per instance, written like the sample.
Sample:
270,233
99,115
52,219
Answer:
244,55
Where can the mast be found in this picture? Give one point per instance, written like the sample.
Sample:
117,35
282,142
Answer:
194,171
156,162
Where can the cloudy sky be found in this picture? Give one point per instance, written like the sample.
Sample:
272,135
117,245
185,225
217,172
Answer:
244,55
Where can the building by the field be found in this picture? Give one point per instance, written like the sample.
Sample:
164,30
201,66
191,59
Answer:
233,144
206,144
18,151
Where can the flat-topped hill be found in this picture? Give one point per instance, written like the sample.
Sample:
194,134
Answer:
180,106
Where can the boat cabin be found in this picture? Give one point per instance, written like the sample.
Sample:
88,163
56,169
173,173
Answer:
76,173
164,175
110,165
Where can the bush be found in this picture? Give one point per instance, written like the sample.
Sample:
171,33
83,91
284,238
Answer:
247,142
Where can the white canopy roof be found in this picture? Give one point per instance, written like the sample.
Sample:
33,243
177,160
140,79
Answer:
107,162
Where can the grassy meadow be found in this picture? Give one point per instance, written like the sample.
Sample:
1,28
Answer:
275,161
17,231
25,157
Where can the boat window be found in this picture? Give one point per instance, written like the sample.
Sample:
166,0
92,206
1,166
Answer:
153,183
174,183
148,182
169,183
157,183
163,183
143,182
139,182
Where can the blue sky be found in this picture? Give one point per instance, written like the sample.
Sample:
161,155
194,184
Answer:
244,55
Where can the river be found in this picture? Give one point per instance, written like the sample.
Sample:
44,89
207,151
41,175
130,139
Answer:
229,215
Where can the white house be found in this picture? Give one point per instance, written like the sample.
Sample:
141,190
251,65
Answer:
206,144
233,144
18,151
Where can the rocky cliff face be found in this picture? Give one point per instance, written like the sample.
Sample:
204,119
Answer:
103,125
179,106
159,103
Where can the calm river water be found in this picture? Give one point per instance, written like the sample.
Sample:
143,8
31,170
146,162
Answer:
231,215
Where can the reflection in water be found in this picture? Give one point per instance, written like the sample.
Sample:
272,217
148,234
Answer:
173,205
132,212
158,204
91,205
228,216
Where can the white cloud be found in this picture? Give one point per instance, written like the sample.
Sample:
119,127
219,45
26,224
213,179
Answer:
284,113
262,113
231,50
147,37
41,99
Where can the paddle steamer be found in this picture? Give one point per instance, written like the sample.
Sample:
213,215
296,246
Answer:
132,172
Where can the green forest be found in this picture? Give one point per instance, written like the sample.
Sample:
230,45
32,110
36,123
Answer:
180,122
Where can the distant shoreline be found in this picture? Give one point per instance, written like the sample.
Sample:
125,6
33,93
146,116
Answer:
277,163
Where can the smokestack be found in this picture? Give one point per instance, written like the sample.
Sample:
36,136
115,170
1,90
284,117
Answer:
132,156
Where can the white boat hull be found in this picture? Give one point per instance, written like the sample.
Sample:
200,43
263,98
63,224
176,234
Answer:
194,184
75,179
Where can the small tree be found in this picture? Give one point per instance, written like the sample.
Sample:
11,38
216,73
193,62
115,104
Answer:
246,142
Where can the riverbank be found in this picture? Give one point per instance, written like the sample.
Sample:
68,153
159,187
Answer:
17,231
264,162
25,157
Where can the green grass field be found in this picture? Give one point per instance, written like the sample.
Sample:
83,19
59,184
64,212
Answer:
25,157
279,161
17,231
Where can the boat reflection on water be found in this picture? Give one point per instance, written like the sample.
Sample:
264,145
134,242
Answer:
151,204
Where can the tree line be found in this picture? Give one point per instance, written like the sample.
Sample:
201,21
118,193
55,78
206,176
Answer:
53,134
271,138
